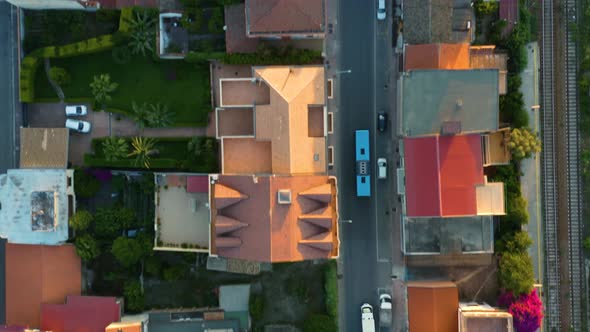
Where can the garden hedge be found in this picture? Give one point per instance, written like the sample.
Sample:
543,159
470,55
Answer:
31,61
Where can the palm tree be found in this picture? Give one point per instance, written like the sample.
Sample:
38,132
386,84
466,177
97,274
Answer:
141,43
143,33
195,147
140,114
102,86
115,148
159,116
143,149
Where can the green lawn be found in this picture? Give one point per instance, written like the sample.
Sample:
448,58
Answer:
182,86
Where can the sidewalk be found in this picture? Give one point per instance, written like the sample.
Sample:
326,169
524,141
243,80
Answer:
530,181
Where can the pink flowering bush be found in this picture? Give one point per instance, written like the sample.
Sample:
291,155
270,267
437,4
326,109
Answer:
505,299
527,312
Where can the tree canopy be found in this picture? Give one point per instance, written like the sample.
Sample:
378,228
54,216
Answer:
86,247
81,220
516,272
523,143
127,251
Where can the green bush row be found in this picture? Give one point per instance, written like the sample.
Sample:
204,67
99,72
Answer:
92,45
294,57
27,74
156,163
125,18
331,289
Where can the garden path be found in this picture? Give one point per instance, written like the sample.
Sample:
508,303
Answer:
55,86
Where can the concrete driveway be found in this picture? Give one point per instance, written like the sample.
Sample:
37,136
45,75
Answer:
53,116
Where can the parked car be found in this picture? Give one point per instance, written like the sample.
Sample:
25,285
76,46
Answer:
381,10
368,322
78,125
382,168
76,110
382,121
385,310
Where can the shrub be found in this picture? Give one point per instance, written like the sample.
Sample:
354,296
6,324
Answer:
81,220
516,272
192,20
523,143
256,307
176,272
587,243
486,7
86,247
85,184
134,298
272,57
527,312
127,251
153,266
115,148
318,322
215,23
331,289
110,222
198,57
125,19
106,15
59,75
517,242
28,71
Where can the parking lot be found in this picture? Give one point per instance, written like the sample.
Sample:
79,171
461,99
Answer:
53,116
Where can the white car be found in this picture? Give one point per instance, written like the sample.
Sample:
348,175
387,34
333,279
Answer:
76,110
78,125
382,168
381,10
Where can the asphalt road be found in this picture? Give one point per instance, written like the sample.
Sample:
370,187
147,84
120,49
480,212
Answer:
368,242
8,86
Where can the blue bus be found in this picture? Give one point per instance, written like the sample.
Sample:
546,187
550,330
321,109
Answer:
363,176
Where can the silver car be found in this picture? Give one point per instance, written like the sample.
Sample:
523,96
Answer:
76,110
78,125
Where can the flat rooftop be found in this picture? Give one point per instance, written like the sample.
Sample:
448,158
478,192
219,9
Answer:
448,235
35,205
182,211
432,98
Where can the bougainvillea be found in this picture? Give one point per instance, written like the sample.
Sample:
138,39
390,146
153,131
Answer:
505,299
527,312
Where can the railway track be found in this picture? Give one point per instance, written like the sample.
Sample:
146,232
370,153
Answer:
562,197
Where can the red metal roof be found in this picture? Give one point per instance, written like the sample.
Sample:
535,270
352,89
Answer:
441,175
80,314
197,184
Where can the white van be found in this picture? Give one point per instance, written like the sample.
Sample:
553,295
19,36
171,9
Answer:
381,9
382,168
367,320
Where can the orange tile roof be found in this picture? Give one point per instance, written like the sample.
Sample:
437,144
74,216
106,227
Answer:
437,56
284,16
37,274
251,222
124,327
433,306
284,123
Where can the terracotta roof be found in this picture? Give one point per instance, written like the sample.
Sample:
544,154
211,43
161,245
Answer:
236,40
295,92
269,17
80,313
442,173
197,184
437,56
37,274
433,306
274,218
44,147
124,327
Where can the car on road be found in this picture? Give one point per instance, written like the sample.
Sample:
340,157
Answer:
382,168
385,310
381,14
76,110
367,320
78,125
382,121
